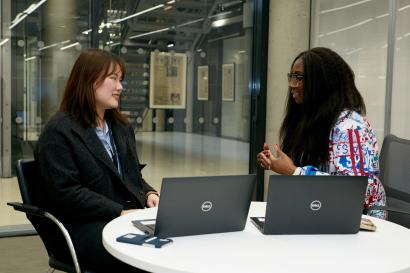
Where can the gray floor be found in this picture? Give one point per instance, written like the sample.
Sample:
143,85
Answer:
22,255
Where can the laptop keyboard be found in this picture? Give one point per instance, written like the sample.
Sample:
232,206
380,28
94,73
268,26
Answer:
146,226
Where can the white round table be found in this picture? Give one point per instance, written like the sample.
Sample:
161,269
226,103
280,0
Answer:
386,250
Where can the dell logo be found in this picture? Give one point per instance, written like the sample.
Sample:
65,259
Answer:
206,206
315,205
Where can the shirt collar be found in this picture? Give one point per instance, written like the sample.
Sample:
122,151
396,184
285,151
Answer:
102,131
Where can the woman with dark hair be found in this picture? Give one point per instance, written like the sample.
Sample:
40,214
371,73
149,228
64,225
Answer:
87,158
325,131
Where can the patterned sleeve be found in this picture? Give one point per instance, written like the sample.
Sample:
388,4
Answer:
353,150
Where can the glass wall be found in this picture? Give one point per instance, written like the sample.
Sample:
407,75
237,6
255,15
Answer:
401,80
186,90
359,32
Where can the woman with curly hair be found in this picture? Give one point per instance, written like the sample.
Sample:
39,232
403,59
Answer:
325,130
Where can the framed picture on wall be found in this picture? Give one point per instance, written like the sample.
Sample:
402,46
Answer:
167,80
203,83
228,82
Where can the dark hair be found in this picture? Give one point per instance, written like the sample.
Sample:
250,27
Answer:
329,89
90,69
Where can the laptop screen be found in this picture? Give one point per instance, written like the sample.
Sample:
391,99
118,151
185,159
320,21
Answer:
202,205
314,204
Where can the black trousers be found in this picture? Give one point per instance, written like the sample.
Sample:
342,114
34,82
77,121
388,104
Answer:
87,240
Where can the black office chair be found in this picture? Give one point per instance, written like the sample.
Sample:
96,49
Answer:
395,176
54,235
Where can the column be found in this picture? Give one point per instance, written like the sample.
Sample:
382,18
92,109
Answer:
289,23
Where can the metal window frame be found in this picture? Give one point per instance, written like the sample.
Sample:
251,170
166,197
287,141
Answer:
258,89
391,45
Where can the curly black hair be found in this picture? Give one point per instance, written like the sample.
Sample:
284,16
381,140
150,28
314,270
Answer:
329,89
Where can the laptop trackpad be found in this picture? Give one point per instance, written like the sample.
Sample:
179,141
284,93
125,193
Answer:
147,226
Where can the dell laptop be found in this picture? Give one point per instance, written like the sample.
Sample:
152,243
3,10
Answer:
313,205
201,205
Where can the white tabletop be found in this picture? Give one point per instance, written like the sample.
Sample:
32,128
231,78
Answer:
386,250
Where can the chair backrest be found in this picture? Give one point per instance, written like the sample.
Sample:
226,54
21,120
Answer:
32,193
27,175
395,175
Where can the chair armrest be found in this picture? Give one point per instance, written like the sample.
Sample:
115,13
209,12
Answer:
30,209
387,208
36,211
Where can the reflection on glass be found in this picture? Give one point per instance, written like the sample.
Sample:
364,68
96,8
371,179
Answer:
357,30
401,80
205,137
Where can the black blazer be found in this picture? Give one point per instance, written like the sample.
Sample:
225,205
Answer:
80,181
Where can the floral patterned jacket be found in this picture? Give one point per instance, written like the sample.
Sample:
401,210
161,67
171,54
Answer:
353,150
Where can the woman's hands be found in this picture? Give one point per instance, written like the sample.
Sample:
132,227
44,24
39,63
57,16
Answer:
152,200
281,164
127,211
264,158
